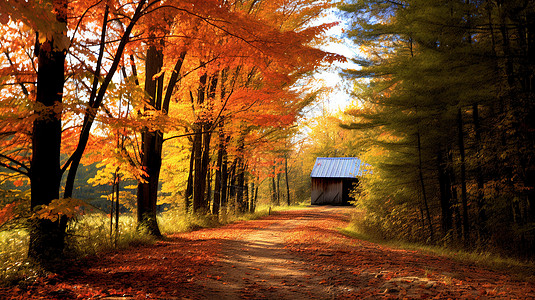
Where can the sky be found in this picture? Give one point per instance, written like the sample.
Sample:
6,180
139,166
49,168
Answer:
339,98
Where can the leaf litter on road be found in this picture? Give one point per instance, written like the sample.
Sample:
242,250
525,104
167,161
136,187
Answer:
290,255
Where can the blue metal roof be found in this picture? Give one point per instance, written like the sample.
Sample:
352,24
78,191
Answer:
337,167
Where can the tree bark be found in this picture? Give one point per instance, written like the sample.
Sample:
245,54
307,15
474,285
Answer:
151,156
205,164
218,171
273,187
288,202
240,178
246,201
47,238
199,175
188,193
278,186
445,194
255,198
464,200
424,195
224,181
479,175
208,188
117,193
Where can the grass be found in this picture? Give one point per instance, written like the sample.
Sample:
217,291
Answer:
90,234
13,267
523,270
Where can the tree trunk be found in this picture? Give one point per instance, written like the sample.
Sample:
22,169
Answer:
278,186
147,192
152,140
240,177
424,195
233,186
188,193
199,178
218,171
273,187
254,201
464,200
240,185
198,192
208,188
288,202
445,194
47,238
224,182
117,193
246,201
151,156
253,196
479,175
207,136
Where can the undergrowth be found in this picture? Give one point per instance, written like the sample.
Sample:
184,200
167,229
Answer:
90,234
484,257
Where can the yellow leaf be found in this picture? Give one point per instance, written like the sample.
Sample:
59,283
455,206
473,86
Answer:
68,207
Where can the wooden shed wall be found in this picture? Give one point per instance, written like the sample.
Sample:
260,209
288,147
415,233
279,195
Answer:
327,191
333,191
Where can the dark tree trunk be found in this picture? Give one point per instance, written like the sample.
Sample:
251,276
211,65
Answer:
246,194
232,187
198,192
151,156
117,193
479,175
240,178
147,192
273,187
152,140
254,199
445,194
188,193
454,206
278,186
240,185
47,238
464,200
199,178
288,202
208,187
218,171
207,136
424,195
224,182
253,196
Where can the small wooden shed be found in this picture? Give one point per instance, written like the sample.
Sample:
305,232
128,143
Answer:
333,178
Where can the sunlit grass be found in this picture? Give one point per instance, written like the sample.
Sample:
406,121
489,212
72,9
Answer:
174,221
90,234
13,249
301,205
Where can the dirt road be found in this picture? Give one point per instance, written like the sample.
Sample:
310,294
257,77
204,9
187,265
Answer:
290,255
